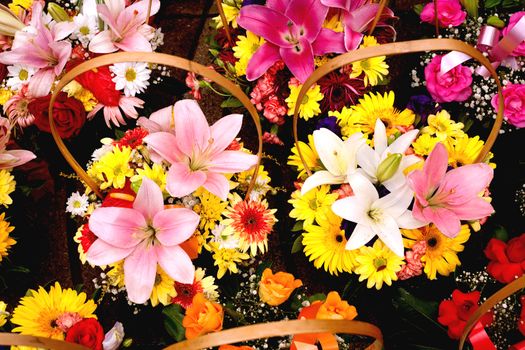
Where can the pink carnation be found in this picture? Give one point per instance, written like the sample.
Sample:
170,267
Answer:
514,98
414,265
274,111
272,139
449,13
520,50
451,86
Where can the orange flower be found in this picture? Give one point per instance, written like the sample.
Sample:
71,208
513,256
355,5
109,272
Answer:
336,309
203,316
276,289
233,347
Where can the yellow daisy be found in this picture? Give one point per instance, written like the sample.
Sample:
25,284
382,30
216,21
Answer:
156,173
377,264
39,312
442,127
310,106
210,209
18,5
163,289
115,275
85,96
348,124
374,68
5,95
209,288
310,157
424,144
441,254
113,168
226,259
465,150
231,13
5,240
313,205
324,244
262,183
7,186
244,49
3,313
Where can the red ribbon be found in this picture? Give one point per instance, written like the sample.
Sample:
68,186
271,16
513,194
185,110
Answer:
480,339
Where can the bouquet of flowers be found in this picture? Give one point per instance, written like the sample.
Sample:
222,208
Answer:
39,46
274,46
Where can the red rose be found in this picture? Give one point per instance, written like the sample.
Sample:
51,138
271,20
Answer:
100,82
455,313
69,114
507,260
87,332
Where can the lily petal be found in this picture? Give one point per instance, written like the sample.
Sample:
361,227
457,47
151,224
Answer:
262,60
408,221
265,22
352,209
19,157
352,39
232,162
359,237
329,41
41,83
330,148
165,145
117,226
445,220
140,269
175,225
176,263
362,187
436,166
465,182
474,209
192,130
391,236
181,181
217,184
309,15
102,43
401,144
101,253
277,5
395,203
368,160
224,131
380,140
134,42
319,178
299,59
149,200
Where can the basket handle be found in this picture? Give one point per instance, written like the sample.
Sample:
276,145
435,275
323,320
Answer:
400,48
279,329
149,57
38,342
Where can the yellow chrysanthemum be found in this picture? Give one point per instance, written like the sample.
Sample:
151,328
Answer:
78,239
465,150
378,265
442,127
441,254
115,275
348,124
320,60
244,49
210,209
374,68
231,13
77,91
209,288
310,157
226,259
163,289
424,144
156,173
3,313
313,205
113,168
39,312
5,240
310,106
5,95
7,186
373,106
18,5
324,244
335,22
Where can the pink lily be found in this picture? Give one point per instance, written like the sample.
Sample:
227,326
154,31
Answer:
127,26
293,31
358,15
143,236
161,120
15,157
41,47
445,198
197,152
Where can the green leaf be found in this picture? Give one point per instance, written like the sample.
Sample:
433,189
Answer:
173,321
119,134
298,226
297,244
471,6
501,233
418,8
492,3
511,3
315,297
413,308
19,269
214,52
231,102
263,266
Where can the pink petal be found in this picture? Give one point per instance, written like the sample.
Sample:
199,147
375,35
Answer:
224,131
61,51
232,162
22,56
161,120
309,15
61,30
191,127
277,5
135,14
475,209
181,181
329,41
359,19
466,182
149,199
165,144
102,43
19,157
352,39
114,7
445,220
217,184
262,60
40,83
436,166
175,225
134,41
340,4
109,15
101,253
265,22
299,59
117,226
140,269
176,263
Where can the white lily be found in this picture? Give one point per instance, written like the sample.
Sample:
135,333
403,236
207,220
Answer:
370,159
374,216
337,156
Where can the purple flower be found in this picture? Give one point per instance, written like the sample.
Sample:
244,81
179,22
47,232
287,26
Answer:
329,123
253,2
423,106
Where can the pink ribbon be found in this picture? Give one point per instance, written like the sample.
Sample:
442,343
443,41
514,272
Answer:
499,52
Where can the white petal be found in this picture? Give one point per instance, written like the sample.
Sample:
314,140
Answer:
391,236
361,236
362,187
380,140
329,147
395,203
369,161
408,221
349,152
319,178
352,209
401,144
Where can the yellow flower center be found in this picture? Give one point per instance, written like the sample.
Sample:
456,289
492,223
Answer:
379,264
375,214
76,204
84,30
131,75
23,74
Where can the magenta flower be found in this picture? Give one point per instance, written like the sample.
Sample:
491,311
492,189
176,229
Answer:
197,152
127,26
357,16
293,31
445,198
450,13
143,236
454,85
514,103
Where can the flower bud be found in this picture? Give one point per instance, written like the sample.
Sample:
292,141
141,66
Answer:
114,337
57,12
9,22
388,167
495,22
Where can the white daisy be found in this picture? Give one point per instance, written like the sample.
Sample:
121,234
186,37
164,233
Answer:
132,77
86,27
77,204
226,241
18,75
